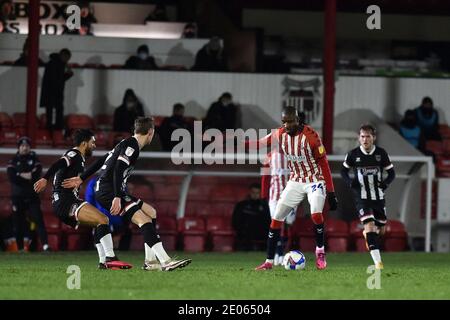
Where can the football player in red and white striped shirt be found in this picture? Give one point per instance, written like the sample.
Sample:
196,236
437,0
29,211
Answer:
310,176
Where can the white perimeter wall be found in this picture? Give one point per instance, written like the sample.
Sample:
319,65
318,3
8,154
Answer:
94,91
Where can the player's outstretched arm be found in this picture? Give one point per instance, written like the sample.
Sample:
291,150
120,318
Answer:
75,182
93,168
115,206
41,184
71,183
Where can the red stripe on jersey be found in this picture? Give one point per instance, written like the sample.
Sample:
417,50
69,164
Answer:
298,152
292,152
308,159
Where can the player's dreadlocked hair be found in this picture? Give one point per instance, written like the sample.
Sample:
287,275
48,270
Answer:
143,124
369,128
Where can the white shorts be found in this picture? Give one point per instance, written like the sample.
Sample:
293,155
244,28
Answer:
295,192
291,216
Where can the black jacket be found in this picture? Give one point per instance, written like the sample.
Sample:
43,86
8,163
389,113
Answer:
135,62
221,117
168,126
251,219
206,60
22,187
53,82
124,118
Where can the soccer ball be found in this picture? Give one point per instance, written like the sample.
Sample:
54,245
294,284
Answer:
294,260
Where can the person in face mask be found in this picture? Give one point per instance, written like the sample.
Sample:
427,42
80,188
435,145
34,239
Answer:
170,124
127,112
142,61
251,220
428,119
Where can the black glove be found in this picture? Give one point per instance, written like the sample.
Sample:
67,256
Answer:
332,200
383,185
355,184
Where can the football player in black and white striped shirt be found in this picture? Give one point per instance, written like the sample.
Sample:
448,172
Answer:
368,162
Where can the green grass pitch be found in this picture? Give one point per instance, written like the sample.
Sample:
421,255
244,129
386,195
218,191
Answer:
408,275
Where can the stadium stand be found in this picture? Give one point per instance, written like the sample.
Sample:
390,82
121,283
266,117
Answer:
395,238
221,235
167,228
337,235
304,230
193,234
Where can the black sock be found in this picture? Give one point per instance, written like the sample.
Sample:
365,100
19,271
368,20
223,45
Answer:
281,244
274,236
101,231
320,235
372,240
150,236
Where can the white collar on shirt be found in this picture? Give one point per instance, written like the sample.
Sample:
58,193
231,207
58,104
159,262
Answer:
367,153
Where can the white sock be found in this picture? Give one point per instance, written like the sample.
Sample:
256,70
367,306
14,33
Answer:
101,253
149,253
376,257
108,245
269,261
160,253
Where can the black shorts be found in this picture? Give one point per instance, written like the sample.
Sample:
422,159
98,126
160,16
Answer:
66,207
370,210
129,204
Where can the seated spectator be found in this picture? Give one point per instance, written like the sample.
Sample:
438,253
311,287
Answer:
159,13
23,59
170,124
210,57
143,60
410,130
428,119
251,220
127,112
190,31
222,114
